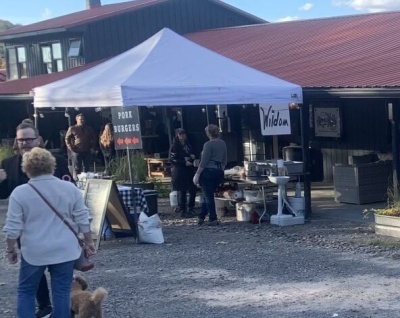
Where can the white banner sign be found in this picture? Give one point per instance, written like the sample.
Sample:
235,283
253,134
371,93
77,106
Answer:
275,120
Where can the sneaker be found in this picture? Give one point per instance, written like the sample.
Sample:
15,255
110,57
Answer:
200,221
213,223
44,312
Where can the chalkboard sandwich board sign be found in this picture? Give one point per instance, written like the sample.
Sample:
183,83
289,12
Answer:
103,200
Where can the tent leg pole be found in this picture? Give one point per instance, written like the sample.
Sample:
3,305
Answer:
36,118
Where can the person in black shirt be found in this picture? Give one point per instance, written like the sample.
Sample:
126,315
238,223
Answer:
182,158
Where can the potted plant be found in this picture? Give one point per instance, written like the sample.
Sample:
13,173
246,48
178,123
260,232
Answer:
119,167
387,220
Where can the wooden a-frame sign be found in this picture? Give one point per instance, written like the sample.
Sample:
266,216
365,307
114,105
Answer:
103,200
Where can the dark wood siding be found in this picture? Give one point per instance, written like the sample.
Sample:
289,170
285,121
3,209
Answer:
12,114
112,36
365,129
117,34
34,58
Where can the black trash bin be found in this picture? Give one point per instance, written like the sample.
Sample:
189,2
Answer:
151,199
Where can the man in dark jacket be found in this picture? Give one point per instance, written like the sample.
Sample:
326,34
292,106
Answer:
11,176
81,141
182,160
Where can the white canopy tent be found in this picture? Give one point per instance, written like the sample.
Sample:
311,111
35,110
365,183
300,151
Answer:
167,69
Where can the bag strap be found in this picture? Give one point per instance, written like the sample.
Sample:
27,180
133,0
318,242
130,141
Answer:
56,212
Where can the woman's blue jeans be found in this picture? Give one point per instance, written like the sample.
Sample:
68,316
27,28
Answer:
209,181
61,279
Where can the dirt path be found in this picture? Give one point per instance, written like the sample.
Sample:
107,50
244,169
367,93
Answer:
322,269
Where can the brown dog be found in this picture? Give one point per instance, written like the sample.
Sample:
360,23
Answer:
84,303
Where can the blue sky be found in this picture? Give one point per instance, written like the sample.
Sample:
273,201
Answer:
30,11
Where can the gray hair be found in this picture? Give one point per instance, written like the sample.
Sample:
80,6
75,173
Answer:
212,131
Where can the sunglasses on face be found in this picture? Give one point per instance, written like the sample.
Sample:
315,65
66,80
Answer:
27,140
182,133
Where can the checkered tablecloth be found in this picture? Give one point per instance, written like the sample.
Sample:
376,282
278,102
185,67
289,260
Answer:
139,199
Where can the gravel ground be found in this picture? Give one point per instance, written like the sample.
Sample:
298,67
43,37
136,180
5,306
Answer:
326,268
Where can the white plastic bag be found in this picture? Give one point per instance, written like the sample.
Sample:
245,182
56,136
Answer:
150,229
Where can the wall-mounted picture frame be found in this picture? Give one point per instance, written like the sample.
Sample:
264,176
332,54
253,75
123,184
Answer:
327,122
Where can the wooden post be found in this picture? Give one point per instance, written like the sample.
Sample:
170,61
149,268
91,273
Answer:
275,146
305,140
393,114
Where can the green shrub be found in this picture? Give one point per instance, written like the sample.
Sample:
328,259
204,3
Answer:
389,211
5,152
163,189
120,167
393,206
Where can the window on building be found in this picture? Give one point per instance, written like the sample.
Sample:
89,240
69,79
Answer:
52,57
74,48
21,57
17,63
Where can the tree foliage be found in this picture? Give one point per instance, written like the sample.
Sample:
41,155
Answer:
4,25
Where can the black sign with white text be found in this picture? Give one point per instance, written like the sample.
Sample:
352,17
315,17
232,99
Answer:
126,124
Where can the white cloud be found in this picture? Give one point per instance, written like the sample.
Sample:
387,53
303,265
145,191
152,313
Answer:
369,5
288,18
46,14
306,7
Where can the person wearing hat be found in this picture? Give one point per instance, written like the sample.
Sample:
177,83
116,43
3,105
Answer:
182,158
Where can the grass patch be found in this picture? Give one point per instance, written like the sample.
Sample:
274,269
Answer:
384,244
5,152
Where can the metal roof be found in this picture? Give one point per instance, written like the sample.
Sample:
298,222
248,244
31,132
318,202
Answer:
352,52
361,51
25,85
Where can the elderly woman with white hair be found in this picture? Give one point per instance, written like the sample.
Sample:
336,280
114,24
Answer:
46,241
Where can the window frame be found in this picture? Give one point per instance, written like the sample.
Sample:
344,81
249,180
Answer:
72,48
53,64
18,68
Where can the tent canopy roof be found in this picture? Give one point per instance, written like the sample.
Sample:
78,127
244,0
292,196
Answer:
165,70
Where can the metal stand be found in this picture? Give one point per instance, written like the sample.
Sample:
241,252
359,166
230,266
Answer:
280,218
135,214
265,204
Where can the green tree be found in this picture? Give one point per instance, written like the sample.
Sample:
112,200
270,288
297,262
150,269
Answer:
4,25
